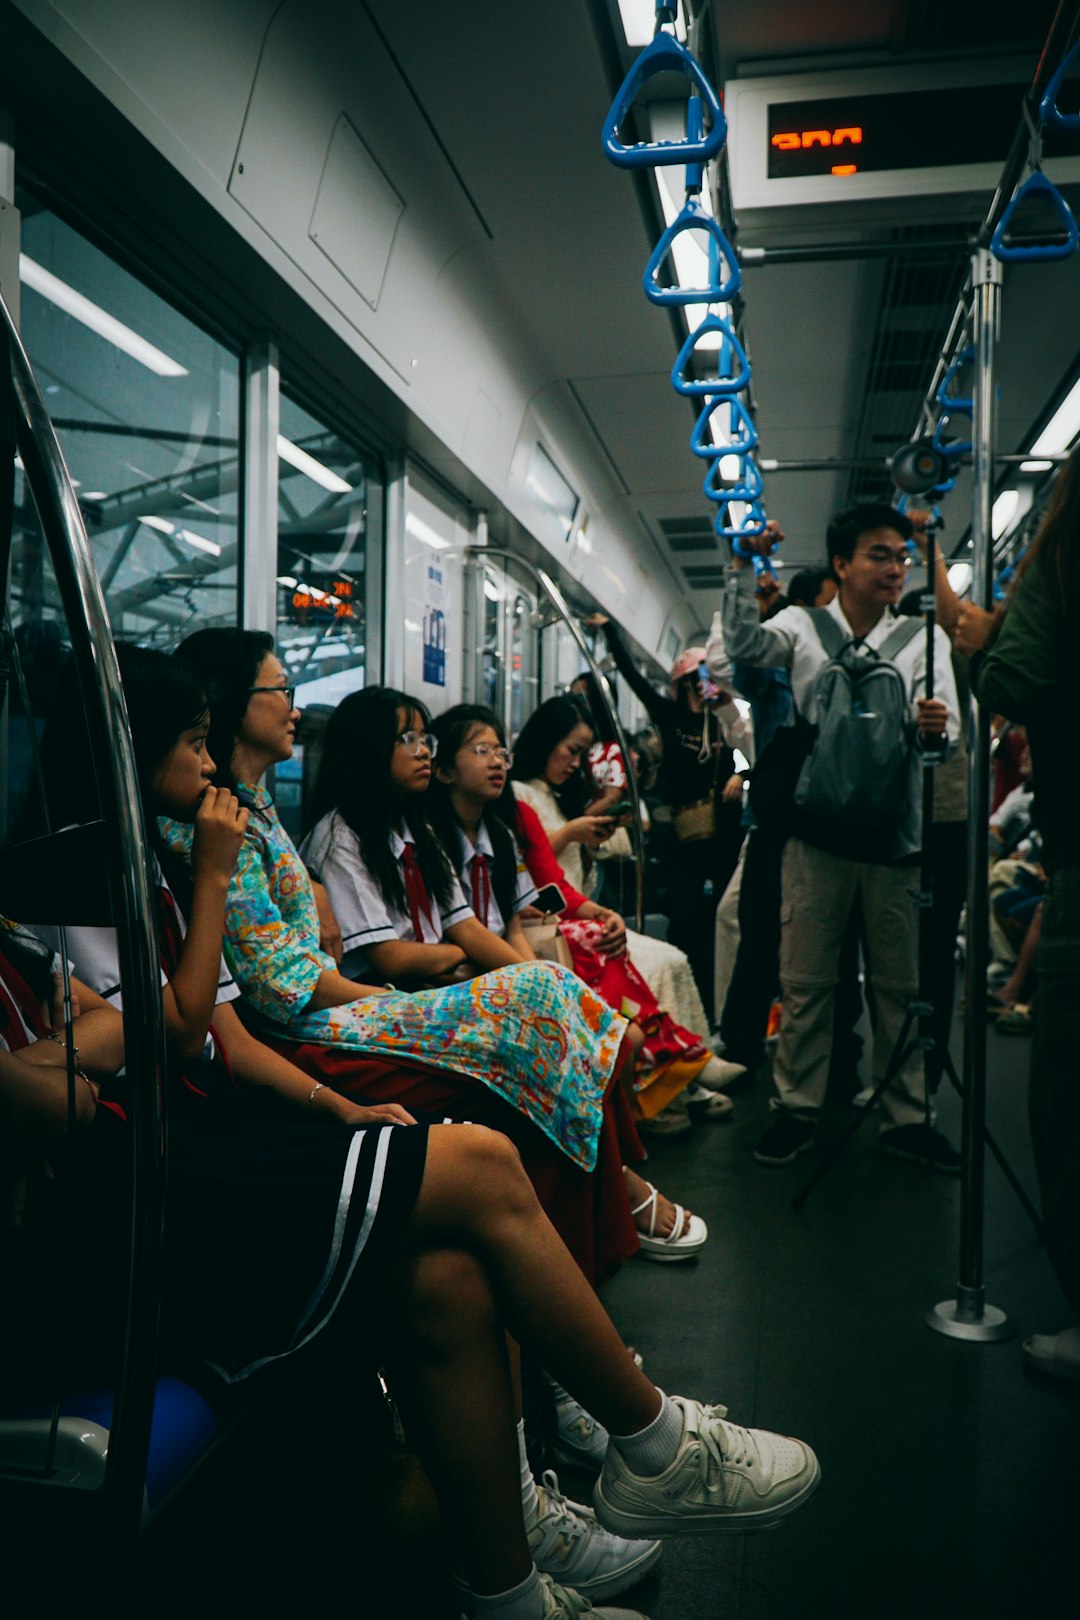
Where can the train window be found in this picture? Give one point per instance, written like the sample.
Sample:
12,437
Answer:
324,482
147,409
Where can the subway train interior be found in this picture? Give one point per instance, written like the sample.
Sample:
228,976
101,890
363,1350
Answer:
459,352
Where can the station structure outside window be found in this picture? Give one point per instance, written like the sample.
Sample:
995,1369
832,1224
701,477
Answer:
328,497
147,409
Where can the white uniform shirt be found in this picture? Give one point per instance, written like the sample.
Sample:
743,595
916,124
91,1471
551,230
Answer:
525,893
95,959
331,852
790,641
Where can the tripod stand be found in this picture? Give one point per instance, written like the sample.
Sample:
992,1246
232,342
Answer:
917,1033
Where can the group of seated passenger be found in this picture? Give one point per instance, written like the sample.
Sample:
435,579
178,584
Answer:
421,1127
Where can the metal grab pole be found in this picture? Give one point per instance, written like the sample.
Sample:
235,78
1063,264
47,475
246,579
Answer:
968,1316
558,602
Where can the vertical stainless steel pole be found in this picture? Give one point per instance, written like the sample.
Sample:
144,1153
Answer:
968,1316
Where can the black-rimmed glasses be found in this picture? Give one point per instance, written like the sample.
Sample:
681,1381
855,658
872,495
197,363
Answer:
287,692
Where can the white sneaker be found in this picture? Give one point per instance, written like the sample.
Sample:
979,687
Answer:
569,1545
701,1103
579,1441
668,1122
563,1604
723,1478
718,1073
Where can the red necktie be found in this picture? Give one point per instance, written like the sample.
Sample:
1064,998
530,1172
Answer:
481,887
416,893
170,933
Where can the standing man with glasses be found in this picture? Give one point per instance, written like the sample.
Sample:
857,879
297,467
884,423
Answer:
831,863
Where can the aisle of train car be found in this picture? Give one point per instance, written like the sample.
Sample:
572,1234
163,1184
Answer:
949,1476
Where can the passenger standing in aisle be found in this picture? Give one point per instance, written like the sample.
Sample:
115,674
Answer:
830,863
699,732
1027,673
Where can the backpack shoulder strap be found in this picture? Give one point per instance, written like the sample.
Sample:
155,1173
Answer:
827,630
898,639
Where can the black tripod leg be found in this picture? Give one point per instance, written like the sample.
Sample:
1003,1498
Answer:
901,1052
1003,1163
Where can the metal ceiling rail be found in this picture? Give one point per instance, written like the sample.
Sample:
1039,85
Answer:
1058,41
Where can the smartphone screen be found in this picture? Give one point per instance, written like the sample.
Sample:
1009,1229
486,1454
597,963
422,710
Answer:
551,898
706,685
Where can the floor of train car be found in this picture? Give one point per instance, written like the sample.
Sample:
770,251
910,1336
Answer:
950,1482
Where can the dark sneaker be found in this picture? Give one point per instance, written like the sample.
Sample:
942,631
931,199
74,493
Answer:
784,1140
923,1145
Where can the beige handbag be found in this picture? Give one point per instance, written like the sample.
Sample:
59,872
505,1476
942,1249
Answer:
695,822
546,941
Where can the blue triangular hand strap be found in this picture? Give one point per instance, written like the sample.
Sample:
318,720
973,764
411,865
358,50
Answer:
953,404
949,447
747,487
752,525
731,354
1036,252
744,435
1049,111
664,55
694,218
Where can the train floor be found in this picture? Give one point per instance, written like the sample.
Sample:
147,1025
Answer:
950,1475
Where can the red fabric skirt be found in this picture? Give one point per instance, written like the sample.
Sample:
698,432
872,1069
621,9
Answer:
589,1209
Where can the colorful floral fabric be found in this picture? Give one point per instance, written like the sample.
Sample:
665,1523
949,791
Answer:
532,1032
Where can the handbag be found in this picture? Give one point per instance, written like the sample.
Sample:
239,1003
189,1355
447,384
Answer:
696,822
546,941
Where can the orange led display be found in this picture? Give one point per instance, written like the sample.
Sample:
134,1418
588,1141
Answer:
844,168
792,140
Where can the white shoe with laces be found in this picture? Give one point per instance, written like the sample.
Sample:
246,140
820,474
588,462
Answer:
562,1604
579,1442
724,1477
569,1545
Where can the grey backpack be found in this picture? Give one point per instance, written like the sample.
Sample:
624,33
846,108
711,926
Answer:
859,770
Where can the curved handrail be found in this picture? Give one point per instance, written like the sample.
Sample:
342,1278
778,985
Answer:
1036,252
1049,112
733,353
664,54
749,484
693,218
558,602
740,424
135,918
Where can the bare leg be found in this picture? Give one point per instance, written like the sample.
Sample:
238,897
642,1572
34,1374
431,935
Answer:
477,1198
1013,989
462,1413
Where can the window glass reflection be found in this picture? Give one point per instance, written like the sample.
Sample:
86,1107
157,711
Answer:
147,407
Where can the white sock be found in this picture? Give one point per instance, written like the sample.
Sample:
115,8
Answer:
524,1602
654,1448
529,1503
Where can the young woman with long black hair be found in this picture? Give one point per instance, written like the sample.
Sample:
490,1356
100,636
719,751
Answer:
286,1229
524,1049
548,779
478,820
396,894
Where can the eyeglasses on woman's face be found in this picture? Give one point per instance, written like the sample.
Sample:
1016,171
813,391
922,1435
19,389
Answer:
501,756
416,741
287,692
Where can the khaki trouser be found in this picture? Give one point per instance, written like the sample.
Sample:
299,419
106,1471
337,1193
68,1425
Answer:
819,891
727,939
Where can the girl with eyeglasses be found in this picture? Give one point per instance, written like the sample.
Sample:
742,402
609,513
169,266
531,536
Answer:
479,821
520,1048
399,902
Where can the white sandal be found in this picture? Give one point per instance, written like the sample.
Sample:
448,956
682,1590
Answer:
679,1244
